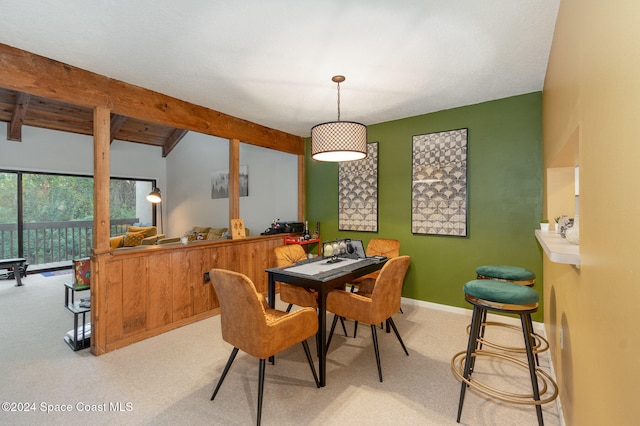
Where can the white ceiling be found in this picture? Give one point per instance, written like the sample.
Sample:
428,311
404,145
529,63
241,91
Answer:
271,61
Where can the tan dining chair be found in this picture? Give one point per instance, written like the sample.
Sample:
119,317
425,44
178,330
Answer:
379,306
293,295
375,247
248,323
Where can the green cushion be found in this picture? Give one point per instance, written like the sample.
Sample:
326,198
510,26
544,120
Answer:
501,292
511,273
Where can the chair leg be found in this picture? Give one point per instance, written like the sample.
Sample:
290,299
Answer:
307,352
260,388
395,330
374,334
234,352
476,321
527,331
289,307
343,327
355,329
333,327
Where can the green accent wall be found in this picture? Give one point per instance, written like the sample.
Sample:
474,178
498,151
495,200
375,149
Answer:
504,192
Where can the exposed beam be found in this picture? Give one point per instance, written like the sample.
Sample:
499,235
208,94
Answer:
14,129
30,73
173,139
117,121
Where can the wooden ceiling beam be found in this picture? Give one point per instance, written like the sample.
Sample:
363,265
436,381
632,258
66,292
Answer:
173,139
117,121
30,73
14,129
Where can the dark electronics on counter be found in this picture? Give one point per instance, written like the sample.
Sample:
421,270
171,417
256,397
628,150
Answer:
278,227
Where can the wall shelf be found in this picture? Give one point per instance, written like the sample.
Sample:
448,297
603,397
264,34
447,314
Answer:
558,249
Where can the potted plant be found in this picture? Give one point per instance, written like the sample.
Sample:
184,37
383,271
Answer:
544,225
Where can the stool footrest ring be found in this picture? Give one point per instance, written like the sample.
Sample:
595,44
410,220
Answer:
544,379
540,343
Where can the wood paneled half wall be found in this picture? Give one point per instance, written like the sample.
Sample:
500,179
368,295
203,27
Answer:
146,291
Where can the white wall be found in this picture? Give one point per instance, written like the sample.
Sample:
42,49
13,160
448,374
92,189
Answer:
61,152
272,185
184,176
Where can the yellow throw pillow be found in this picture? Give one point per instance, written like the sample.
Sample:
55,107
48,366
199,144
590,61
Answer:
132,239
149,231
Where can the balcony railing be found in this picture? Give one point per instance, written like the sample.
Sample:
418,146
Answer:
54,242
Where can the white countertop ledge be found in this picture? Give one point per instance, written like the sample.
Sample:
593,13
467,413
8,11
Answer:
558,249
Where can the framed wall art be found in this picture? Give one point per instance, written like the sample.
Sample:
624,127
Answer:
439,183
358,193
220,183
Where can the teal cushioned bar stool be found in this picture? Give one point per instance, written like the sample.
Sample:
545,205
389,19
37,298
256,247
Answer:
509,298
517,275
514,274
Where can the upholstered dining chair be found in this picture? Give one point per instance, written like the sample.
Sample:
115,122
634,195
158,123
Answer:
249,324
383,302
293,295
375,247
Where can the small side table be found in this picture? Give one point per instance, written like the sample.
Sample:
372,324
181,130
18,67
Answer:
77,339
304,243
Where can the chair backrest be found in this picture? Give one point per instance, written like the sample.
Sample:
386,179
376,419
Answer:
387,290
383,247
289,254
242,310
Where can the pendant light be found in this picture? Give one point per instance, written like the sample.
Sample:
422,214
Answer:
338,141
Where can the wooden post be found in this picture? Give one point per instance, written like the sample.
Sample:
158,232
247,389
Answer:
234,180
301,184
101,224
101,179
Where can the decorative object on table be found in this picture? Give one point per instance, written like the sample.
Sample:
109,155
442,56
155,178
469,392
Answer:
557,229
544,225
237,229
184,239
338,140
358,193
220,183
572,234
564,222
82,271
439,183
316,232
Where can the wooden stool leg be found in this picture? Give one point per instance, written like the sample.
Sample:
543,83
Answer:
476,322
527,330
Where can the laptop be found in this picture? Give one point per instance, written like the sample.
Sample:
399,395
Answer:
356,249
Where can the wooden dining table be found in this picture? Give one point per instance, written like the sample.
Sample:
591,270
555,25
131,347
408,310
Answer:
322,276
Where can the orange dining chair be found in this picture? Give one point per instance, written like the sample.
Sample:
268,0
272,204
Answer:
248,323
375,247
293,295
379,306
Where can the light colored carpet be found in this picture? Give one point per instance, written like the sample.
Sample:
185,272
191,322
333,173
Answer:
169,379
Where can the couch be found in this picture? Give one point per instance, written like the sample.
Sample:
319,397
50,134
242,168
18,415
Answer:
136,236
206,233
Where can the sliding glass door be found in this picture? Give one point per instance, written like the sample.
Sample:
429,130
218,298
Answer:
48,218
8,215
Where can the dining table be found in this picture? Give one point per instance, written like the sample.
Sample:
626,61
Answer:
322,275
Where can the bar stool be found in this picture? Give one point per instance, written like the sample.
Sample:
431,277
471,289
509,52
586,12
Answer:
516,275
502,297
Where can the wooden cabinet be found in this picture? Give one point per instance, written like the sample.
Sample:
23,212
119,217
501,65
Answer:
143,292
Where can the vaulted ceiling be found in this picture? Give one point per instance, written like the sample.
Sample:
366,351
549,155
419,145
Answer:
271,63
